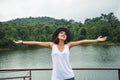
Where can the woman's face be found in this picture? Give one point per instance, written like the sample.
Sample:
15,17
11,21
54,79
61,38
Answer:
62,35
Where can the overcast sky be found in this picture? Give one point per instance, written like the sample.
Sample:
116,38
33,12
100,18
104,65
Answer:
77,10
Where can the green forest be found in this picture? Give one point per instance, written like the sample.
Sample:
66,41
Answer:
42,28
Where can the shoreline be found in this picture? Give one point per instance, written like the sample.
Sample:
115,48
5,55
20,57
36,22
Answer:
92,44
105,43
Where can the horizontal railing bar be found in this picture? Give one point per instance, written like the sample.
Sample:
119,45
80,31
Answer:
42,69
15,77
11,71
25,69
96,68
51,69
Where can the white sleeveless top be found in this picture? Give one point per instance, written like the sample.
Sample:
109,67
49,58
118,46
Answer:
61,65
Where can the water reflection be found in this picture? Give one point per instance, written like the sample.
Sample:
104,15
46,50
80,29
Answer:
107,55
96,56
81,56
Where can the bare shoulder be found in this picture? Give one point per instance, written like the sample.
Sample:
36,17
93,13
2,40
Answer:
74,43
70,44
44,44
51,44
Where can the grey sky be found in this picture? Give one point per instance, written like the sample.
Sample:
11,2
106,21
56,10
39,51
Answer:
77,10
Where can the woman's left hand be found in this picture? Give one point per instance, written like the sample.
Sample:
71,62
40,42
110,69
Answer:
101,39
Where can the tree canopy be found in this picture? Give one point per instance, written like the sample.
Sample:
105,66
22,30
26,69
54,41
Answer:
42,28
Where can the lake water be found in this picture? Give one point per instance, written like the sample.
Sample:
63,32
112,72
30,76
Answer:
80,56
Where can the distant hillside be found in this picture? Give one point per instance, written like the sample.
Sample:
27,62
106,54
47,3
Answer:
42,28
34,20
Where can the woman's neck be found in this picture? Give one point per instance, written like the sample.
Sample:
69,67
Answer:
61,43
60,46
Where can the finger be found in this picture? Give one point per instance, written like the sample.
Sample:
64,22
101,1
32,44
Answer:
105,37
100,36
14,41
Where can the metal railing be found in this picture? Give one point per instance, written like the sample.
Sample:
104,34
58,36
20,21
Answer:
29,76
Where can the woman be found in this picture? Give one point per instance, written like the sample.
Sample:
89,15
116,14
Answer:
60,46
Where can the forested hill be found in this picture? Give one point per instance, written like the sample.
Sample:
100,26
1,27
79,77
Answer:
34,20
42,28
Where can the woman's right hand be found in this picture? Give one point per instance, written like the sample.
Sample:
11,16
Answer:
18,42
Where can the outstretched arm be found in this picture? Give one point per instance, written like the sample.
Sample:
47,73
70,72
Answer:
76,43
44,44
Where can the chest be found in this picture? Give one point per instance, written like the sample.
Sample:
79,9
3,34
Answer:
60,50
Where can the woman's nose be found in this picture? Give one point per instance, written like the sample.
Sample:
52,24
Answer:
64,33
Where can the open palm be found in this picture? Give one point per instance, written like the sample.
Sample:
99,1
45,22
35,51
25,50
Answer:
101,39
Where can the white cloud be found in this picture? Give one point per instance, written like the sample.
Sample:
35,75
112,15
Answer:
78,10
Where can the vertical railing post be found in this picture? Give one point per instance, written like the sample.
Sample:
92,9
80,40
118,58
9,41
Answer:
30,75
24,78
118,74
